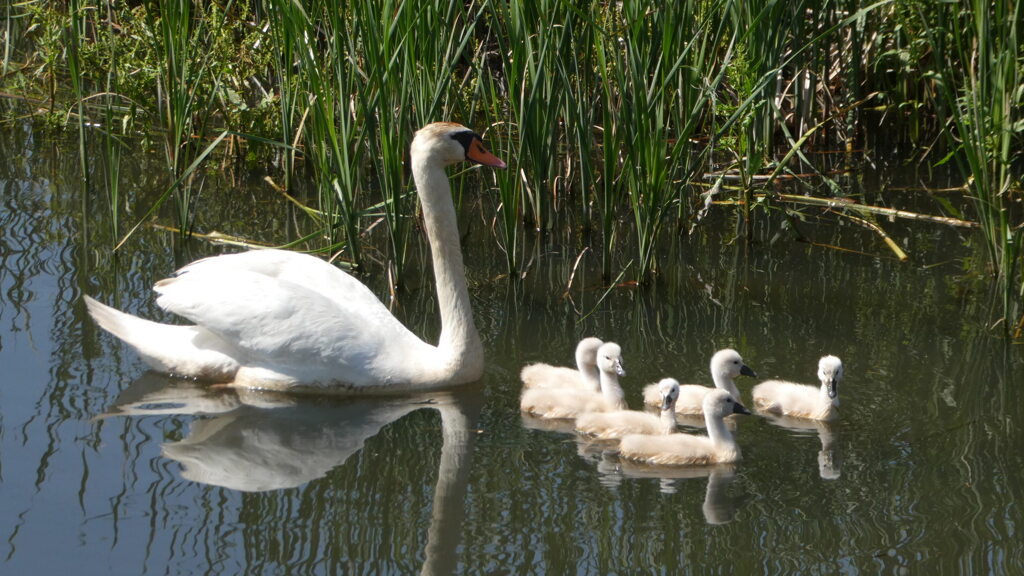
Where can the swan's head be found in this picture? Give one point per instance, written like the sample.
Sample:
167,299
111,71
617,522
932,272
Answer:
586,351
830,372
609,359
729,364
669,390
719,403
448,143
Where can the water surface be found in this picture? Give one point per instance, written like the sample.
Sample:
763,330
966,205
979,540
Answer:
106,468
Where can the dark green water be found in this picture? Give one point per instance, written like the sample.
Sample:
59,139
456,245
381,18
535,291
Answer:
107,469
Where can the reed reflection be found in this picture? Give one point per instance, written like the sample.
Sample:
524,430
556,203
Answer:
254,441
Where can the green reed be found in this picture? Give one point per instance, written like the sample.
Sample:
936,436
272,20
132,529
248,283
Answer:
979,80
186,93
608,113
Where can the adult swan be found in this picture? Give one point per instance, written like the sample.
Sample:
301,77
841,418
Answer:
286,321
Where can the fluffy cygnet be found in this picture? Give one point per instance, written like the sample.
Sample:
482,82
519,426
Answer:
726,366
718,446
615,425
782,398
572,402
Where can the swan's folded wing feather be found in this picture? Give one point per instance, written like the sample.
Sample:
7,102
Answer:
307,271
281,322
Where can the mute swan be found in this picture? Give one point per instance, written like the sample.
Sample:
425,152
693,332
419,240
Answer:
684,449
783,398
615,425
281,320
572,402
726,365
586,376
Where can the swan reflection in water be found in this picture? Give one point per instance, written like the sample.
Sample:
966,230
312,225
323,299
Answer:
255,441
719,505
830,465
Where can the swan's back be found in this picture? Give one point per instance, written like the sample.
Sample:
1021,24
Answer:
691,398
562,402
616,424
675,450
585,376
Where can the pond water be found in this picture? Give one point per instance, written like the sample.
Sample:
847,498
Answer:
108,469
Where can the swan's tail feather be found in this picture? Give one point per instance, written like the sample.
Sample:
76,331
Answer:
189,351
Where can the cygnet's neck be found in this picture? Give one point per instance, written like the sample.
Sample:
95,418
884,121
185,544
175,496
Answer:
461,353
611,391
724,382
668,418
590,374
718,431
827,401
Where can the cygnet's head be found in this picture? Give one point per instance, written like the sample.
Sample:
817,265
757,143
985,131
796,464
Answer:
669,390
609,359
448,143
719,403
830,372
586,351
729,364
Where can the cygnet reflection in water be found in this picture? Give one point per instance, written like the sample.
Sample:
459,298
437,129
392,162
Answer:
719,505
830,464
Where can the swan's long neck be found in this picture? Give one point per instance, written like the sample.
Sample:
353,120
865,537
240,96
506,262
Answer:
591,375
724,382
611,391
668,419
459,344
718,431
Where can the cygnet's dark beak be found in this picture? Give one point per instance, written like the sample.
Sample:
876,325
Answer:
619,369
746,371
833,388
666,403
738,408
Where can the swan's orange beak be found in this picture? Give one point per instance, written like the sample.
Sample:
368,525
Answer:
477,153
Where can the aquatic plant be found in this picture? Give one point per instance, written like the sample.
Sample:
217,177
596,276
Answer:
613,115
980,93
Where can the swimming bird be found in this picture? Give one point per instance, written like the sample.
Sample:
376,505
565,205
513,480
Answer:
281,320
782,398
585,376
679,449
614,425
572,402
726,366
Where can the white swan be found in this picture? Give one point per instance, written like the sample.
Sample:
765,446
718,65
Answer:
280,320
585,376
782,398
726,366
717,447
572,402
615,425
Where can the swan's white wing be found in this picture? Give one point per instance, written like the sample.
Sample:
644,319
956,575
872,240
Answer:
302,269
292,329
